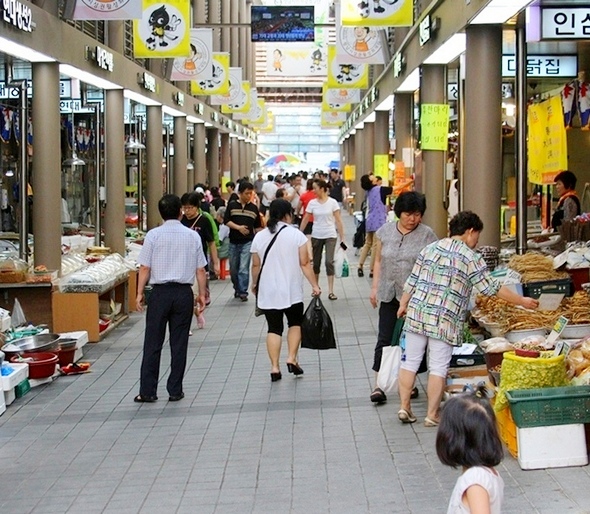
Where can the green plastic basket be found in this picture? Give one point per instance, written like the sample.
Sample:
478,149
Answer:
550,406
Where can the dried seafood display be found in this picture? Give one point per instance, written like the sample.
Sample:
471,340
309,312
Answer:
535,267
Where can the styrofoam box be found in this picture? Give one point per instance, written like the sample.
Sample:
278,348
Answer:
552,447
2,404
21,371
82,338
9,396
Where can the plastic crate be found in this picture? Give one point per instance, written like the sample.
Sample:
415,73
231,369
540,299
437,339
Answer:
559,286
550,406
507,430
461,361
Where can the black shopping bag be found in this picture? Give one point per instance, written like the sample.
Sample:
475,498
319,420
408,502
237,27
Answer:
317,332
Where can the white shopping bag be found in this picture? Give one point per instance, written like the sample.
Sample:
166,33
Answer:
339,259
389,369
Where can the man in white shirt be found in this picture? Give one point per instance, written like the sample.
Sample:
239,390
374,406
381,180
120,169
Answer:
269,193
294,193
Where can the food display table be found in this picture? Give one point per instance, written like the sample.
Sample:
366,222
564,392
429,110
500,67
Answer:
81,311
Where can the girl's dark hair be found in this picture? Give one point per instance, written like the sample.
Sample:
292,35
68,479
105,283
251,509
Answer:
366,182
467,435
567,178
309,184
215,192
322,184
279,209
463,221
410,201
280,193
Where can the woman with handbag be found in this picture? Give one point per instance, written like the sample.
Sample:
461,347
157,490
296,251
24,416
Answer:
398,246
277,278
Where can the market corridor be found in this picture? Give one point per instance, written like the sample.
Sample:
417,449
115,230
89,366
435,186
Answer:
237,443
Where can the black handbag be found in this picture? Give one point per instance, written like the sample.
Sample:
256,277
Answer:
317,331
257,310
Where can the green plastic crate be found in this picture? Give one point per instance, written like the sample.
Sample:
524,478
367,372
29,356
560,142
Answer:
550,406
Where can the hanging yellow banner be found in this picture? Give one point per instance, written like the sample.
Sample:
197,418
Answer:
346,75
243,101
377,13
381,168
349,172
163,30
547,145
434,126
219,84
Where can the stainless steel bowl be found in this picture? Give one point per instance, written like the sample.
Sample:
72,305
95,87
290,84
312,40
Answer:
37,343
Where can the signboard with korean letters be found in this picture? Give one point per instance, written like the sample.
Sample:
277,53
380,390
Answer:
543,65
565,23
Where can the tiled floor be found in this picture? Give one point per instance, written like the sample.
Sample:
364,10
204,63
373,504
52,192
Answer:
237,443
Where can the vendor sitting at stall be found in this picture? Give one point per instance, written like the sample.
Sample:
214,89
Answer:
568,206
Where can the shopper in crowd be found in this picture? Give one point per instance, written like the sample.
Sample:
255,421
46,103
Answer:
217,200
375,217
568,205
397,246
327,226
337,186
258,183
170,258
232,196
243,219
279,285
435,301
269,192
468,438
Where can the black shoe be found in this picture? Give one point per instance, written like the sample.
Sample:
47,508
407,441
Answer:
236,295
274,377
379,9
360,272
378,396
177,398
415,393
371,274
294,368
145,399
244,297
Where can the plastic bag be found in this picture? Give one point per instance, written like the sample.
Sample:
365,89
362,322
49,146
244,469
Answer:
496,345
317,331
389,369
530,373
339,260
17,317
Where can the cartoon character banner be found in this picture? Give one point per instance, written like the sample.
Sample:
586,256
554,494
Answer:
346,75
333,119
270,124
341,95
360,44
235,86
163,30
296,59
259,116
242,103
200,61
103,10
377,13
250,114
218,84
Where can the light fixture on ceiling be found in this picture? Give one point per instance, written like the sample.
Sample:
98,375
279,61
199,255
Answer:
140,99
448,51
360,125
499,11
88,78
74,160
386,104
172,112
190,166
411,83
22,52
194,119
370,118
9,173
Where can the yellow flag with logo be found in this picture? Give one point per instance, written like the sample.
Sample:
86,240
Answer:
218,84
346,75
242,103
377,13
163,30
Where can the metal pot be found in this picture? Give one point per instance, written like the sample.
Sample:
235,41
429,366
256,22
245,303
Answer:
36,343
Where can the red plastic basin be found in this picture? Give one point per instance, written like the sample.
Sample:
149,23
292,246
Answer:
41,365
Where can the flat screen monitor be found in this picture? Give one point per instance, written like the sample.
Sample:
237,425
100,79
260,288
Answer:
282,24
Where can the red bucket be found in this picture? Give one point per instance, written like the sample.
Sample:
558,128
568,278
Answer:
41,365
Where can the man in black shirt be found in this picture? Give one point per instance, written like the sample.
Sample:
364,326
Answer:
243,219
337,186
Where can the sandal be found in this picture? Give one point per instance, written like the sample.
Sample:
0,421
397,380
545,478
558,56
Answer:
378,396
406,416
332,296
145,399
360,272
429,422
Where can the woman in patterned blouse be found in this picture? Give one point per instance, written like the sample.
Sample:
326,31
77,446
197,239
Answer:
435,301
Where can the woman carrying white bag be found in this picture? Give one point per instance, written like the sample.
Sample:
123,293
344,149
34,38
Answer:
391,358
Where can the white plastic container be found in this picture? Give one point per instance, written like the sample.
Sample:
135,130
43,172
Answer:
2,404
21,371
9,396
556,446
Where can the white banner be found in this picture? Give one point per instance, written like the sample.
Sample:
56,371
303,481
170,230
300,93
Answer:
235,87
296,60
103,9
342,95
359,45
252,112
200,62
